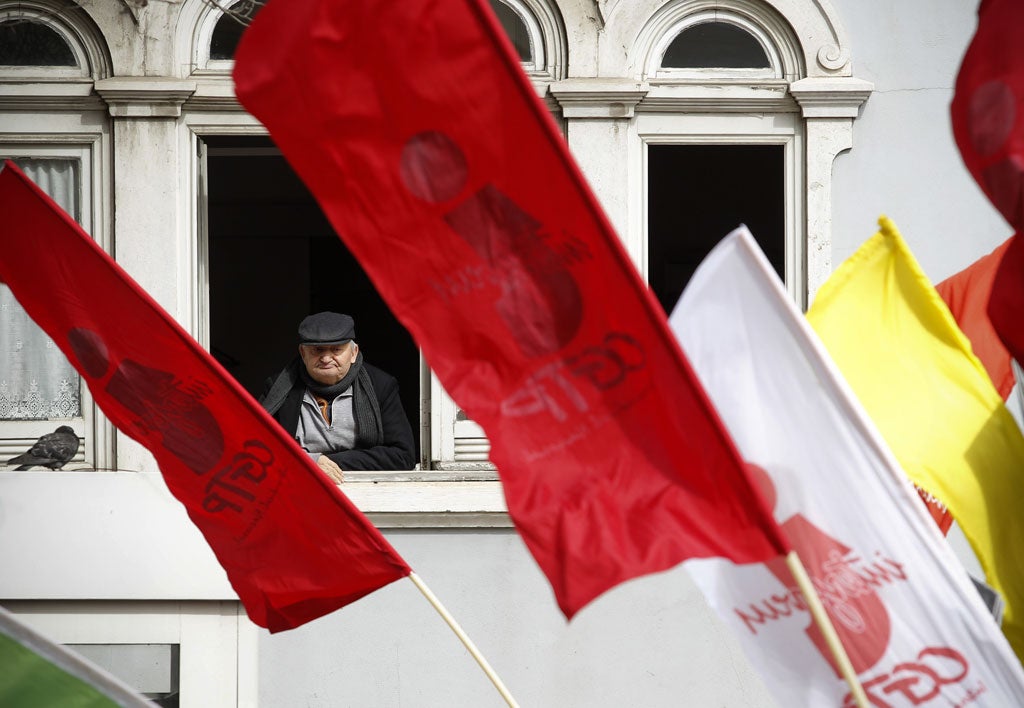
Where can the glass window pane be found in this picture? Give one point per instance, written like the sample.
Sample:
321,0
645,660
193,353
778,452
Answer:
715,45
515,28
36,380
27,43
230,27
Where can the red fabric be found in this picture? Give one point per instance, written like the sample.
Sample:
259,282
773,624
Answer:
1006,305
988,124
294,547
967,294
417,132
988,106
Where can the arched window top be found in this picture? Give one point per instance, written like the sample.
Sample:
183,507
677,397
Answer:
536,31
211,34
517,29
801,39
716,42
715,45
27,42
49,39
217,30
228,31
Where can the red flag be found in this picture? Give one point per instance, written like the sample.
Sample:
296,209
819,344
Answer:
988,124
1006,304
426,146
988,106
966,294
294,547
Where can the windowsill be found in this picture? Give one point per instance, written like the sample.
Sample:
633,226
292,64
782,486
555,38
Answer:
413,499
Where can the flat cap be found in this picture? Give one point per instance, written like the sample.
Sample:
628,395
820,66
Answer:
325,328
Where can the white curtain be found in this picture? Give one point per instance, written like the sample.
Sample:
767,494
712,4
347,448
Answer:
36,381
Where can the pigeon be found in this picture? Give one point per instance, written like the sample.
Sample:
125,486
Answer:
52,450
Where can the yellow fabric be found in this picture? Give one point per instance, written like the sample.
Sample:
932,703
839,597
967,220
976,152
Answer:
902,353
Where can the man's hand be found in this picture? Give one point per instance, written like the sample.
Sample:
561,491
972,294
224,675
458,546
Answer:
331,468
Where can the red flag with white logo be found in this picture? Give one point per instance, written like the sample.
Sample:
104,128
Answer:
416,130
293,546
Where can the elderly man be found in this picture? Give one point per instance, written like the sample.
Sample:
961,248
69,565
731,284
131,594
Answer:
346,414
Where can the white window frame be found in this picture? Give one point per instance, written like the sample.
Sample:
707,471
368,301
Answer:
218,652
783,129
96,431
811,80
53,113
200,46
41,13
655,70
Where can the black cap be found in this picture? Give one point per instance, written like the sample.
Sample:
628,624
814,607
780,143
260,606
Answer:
327,328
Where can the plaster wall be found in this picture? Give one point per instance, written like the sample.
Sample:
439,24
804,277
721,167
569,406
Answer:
904,162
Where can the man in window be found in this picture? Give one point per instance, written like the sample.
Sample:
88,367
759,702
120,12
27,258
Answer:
345,413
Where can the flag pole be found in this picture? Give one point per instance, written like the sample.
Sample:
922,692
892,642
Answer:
495,679
803,581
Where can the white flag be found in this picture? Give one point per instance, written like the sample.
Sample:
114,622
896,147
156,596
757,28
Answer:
916,631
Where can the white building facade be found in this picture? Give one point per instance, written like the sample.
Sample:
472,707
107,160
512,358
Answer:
805,119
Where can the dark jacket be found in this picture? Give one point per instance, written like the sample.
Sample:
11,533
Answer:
396,453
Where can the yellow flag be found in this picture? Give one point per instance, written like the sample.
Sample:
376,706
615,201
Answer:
912,368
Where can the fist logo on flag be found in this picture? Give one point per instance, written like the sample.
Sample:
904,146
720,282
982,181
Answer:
538,299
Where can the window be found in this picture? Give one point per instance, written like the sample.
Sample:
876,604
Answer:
43,39
538,36
759,89
49,56
31,43
228,31
699,193
715,45
218,30
516,29
39,388
272,259
249,196
191,654
36,381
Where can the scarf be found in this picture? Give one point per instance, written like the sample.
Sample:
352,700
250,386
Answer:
365,407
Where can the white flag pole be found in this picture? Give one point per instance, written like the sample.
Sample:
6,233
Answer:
803,581
495,679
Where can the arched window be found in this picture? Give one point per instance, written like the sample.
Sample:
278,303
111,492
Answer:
228,30
740,108
516,29
710,45
51,53
44,39
706,43
27,42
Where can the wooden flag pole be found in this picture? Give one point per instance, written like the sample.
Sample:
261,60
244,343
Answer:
495,679
803,581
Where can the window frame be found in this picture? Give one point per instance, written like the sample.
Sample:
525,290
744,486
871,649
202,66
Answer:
29,13
775,128
218,655
654,69
91,426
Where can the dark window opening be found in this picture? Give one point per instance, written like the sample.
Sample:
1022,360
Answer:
515,28
697,194
228,31
273,259
715,45
27,43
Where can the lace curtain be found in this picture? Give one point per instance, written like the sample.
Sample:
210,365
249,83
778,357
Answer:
36,381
